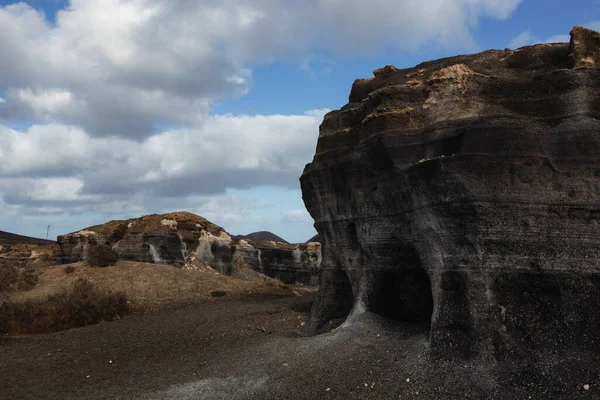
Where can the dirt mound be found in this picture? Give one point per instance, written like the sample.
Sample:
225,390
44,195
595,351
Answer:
155,285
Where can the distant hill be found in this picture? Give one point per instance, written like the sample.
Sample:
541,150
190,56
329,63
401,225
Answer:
261,236
13,238
315,238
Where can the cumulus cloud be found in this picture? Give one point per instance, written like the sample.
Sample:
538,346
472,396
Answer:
408,24
226,151
117,67
97,81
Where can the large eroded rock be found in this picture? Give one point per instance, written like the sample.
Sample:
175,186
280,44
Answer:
464,193
174,238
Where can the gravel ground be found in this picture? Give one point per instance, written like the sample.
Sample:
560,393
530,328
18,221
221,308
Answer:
251,348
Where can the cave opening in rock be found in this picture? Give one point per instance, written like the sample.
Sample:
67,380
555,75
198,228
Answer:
403,295
343,295
335,303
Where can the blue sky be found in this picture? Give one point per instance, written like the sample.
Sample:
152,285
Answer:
114,109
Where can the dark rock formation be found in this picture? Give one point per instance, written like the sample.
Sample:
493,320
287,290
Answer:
464,193
177,237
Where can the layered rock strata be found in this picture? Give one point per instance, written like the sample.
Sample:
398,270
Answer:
464,194
174,238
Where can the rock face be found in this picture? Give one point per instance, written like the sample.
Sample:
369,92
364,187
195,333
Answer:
173,238
287,262
464,194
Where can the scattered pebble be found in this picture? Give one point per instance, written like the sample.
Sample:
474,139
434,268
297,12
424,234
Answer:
285,364
407,380
586,387
302,323
110,361
328,389
333,330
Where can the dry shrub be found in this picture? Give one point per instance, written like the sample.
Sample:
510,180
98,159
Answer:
28,280
15,278
100,255
119,233
9,278
82,305
69,269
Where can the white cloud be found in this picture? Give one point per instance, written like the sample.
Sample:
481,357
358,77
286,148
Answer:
225,151
45,190
114,67
296,216
117,67
410,23
98,81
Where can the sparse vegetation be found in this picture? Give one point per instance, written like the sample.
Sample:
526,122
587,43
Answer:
15,278
101,256
69,269
9,277
119,233
82,305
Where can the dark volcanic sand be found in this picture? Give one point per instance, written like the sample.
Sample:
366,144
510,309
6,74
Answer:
220,350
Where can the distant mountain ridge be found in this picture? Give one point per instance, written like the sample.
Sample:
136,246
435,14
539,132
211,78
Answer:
264,236
13,238
315,238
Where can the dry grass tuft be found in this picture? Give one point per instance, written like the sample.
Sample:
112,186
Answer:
14,278
101,256
82,305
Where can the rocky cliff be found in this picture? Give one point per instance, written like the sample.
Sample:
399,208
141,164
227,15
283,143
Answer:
177,237
464,194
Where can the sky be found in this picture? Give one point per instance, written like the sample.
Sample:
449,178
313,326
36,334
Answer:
114,109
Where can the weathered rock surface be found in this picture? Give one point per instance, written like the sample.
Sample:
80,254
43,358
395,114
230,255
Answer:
174,238
464,193
282,261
